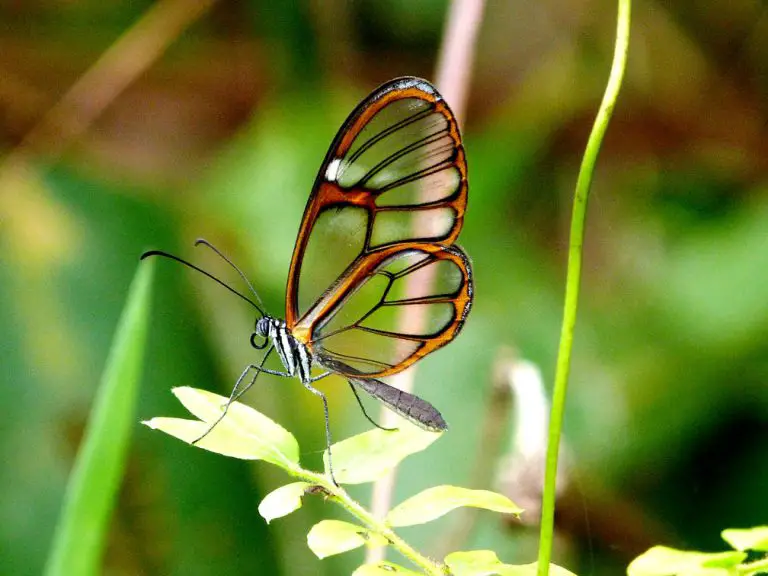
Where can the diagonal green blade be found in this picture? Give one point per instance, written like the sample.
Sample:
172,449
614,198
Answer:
81,532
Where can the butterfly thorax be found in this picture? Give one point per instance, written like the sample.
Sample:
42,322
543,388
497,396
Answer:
294,355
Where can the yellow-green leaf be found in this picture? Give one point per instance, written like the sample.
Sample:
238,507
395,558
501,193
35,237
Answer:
747,539
486,563
369,456
282,501
533,569
383,569
663,561
243,433
329,537
475,563
435,502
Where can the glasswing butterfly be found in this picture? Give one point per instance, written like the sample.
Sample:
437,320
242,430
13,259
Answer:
380,225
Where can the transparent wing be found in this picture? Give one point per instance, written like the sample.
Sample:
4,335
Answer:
363,326
397,159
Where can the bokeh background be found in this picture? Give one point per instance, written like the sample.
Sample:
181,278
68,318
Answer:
220,137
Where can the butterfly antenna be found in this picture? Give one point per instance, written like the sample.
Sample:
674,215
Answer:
211,276
205,242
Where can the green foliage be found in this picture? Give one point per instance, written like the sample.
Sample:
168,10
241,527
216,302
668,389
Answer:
367,457
485,562
435,502
244,433
247,434
664,561
329,537
283,500
93,486
383,569
747,539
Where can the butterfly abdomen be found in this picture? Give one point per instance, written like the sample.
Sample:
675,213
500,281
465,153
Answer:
410,407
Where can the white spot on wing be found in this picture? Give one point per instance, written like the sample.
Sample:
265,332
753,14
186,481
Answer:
332,172
422,85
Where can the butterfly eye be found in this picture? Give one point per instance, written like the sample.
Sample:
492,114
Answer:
262,326
259,341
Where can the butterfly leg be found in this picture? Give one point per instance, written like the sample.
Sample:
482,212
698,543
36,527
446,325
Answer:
409,406
362,407
316,392
273,372
237,392
260,368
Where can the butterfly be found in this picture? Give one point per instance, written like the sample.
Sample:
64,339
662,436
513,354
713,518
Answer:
386,208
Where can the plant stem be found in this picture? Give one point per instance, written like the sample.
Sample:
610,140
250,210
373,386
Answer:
371,522
573,278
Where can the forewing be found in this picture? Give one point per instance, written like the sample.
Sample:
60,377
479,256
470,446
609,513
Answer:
397,158
363,326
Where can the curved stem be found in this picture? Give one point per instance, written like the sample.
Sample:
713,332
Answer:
573,278
338,494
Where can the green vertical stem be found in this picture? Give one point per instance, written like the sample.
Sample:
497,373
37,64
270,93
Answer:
573,279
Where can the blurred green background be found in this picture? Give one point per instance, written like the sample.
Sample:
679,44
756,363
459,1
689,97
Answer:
667,421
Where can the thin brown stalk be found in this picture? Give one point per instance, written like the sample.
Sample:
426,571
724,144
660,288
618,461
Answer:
452,79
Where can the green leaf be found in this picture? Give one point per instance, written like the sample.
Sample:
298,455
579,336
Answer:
486,563
243,433
663,561
554,570
748,538
79,539
370,455
474,563
282,501
329,537
383,569
435,502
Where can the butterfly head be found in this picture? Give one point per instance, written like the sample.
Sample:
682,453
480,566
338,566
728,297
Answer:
260,336
262,326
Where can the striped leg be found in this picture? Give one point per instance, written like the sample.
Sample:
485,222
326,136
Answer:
365,412
317,392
